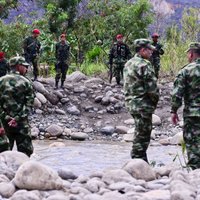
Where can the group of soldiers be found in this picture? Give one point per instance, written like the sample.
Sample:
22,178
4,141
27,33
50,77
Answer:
32,48
120,53
142,95
17,94
140,74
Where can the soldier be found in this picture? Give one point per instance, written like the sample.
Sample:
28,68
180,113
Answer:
17,97
62,60
186,87
4,66
119,54
141,95
31,47
155,58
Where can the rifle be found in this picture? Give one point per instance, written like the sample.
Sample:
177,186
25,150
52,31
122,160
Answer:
110,73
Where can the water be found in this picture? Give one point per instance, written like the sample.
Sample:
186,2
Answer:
87,157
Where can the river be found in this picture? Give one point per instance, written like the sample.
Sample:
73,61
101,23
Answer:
86,157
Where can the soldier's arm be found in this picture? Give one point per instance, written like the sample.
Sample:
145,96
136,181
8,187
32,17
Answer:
56,51
178,92
111,56
25,45
160,49
28,104
150,84
128,52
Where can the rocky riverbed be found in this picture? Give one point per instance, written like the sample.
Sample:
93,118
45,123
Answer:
93,109
90,110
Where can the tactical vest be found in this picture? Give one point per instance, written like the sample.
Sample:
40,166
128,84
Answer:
62,51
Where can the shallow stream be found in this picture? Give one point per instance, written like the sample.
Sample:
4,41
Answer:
87,157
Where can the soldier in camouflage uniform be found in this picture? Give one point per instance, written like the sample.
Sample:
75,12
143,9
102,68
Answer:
155,58
187,87
31,47
141,95
17,97
62,60
119,54
4,66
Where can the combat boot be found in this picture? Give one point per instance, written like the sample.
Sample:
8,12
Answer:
62,84
56,85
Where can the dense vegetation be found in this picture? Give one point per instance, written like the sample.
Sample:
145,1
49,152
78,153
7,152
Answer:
91,27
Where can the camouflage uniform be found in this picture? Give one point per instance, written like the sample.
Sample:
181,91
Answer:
31,47
118,56
4,67
141,97
186,86
17,97
155,58
62,57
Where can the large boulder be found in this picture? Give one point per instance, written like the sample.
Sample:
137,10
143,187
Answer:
33,175
140,169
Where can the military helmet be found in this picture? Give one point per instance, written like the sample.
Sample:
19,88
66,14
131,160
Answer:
142,42
193,46
18,60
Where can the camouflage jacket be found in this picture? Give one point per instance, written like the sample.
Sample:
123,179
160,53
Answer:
4,67
16,96
159,51
62,51
31,46
119,53
187,87
140,86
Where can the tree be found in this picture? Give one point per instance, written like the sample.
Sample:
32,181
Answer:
5,6
60,14
190,24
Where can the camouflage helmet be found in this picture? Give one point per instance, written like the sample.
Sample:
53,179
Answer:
18,60
142,42
193,46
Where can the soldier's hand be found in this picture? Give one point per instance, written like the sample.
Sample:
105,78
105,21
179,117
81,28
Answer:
2,131
12,123
174,118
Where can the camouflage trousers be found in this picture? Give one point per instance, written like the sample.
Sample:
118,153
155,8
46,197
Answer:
61,71
118,71
142,135
191,135
20,134
34,61
156,64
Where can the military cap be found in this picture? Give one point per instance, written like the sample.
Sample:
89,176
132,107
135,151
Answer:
2,55
63,36
142,42
36,31
18,60
119,36
193,45
155,35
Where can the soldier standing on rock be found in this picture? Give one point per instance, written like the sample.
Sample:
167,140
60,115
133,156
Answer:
141,95
187,87
62,60
4,66
155,58
119,54
31,47
17,97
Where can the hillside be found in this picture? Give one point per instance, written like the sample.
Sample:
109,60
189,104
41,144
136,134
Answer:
173,8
